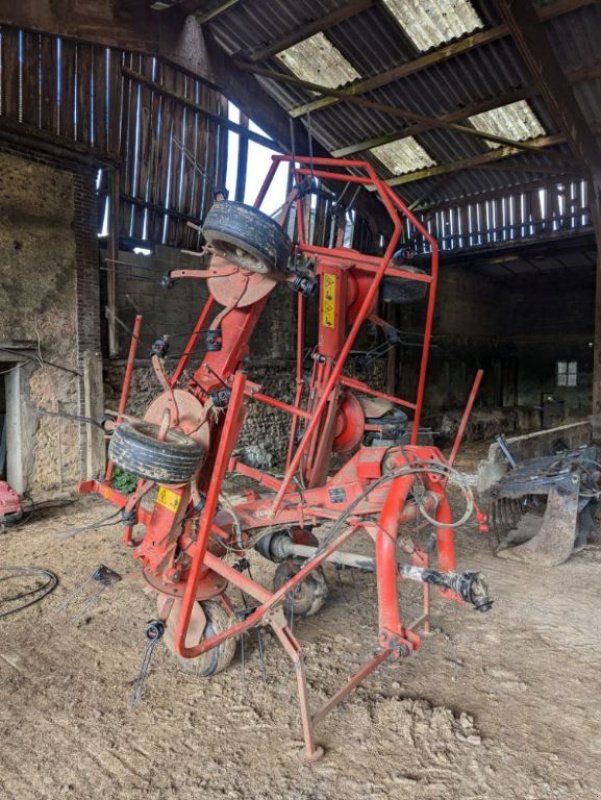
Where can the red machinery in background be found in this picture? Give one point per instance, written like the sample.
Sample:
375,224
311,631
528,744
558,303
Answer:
177,522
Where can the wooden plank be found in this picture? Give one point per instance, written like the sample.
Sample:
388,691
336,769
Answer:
49,108
29,67
100,128
68,66
84,92
203,108
9,74
115,101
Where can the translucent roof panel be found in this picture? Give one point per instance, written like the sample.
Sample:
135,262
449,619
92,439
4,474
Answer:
404,155
317,60
515,121
429,23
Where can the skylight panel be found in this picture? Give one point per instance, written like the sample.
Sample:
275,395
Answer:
429,23
317,60
403,156
515,121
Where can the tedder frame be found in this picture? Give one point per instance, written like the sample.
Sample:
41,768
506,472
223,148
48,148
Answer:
181,537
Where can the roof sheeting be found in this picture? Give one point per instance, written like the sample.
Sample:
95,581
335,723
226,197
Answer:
403,156
372,42
515,121
317,60
431,22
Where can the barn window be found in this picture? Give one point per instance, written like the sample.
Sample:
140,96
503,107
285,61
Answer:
567,373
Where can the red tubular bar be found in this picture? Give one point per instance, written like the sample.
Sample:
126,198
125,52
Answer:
275,403
353,383
337,370
421,386
444,535
129,371
226,443
250,587
300,355
192,341
389,615
466,416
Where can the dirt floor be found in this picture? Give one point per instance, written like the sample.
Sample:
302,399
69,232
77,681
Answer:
503,705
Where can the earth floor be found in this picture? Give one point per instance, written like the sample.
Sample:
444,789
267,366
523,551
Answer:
503,705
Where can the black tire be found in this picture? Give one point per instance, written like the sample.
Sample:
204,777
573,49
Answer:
134,447
216,660
247,237
308,596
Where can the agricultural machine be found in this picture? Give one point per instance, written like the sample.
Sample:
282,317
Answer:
393,490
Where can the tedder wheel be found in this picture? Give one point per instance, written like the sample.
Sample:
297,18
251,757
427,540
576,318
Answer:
247,237
308,596
135,448
216,660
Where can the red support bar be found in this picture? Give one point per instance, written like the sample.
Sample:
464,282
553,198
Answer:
391,628
192,341
228,437
274,403
364,311
359,386
129,371
466,416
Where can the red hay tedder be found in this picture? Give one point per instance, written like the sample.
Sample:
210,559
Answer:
184,446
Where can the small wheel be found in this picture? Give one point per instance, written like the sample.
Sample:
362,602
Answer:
135,448
216,660
308,596
247,237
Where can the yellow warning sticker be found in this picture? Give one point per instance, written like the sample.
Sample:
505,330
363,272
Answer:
168,499
328,306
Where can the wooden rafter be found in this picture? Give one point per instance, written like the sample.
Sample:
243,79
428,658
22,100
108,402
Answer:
530,38
385,108
346,11
437,56
574,76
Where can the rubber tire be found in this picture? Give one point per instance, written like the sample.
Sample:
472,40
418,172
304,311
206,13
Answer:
247,237
309,596
219,658
134,447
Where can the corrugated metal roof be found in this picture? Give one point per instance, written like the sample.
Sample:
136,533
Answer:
515,121
431,22
405,155
373,43
317,60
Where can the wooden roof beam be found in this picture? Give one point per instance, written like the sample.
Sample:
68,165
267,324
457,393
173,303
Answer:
443,53
531,41
512,96
349,9
385,108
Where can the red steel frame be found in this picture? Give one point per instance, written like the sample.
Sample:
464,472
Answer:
378,507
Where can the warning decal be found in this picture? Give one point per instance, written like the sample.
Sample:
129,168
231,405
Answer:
328,307
168,499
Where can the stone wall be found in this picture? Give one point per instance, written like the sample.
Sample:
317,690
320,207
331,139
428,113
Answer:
48,306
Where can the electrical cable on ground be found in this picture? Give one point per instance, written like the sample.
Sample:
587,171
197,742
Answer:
40,591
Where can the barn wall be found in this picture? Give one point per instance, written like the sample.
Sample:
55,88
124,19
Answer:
49,300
